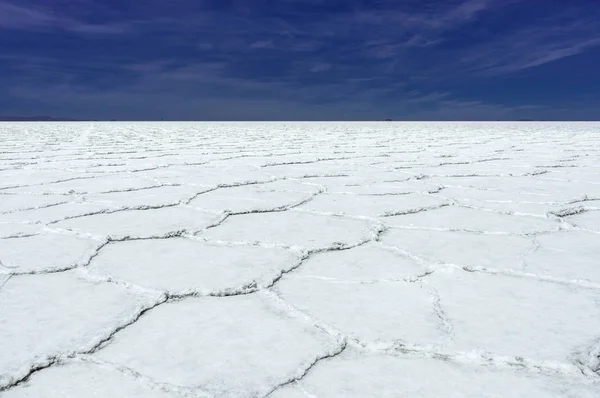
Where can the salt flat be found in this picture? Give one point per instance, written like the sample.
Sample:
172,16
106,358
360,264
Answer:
299,260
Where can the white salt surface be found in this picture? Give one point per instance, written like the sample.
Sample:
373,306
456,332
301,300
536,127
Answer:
299,260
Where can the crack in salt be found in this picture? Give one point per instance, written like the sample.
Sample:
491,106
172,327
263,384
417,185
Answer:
446,325
415,210
93,346
304,372
152,384
581,283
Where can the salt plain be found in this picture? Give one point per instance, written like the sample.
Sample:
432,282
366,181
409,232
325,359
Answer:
299,260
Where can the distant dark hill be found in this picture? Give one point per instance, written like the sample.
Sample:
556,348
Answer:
35,119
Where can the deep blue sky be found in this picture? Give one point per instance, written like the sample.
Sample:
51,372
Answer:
300,59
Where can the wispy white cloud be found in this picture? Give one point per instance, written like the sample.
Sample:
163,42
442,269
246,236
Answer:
16,17
397,31
446,15
320,67
532,46
262,44
305,46
205,46
463,12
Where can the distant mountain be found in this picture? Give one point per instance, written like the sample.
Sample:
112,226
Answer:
35,119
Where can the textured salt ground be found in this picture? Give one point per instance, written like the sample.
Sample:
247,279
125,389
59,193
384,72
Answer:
249,198
459,218
368,312
283,260
46,252
45,316
456,247
12,203
82,379
87,185
509,316
140,223
372,206
246,353
182,265
48,215
11,229
589,220
155,197
299,230
356,375
571,255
